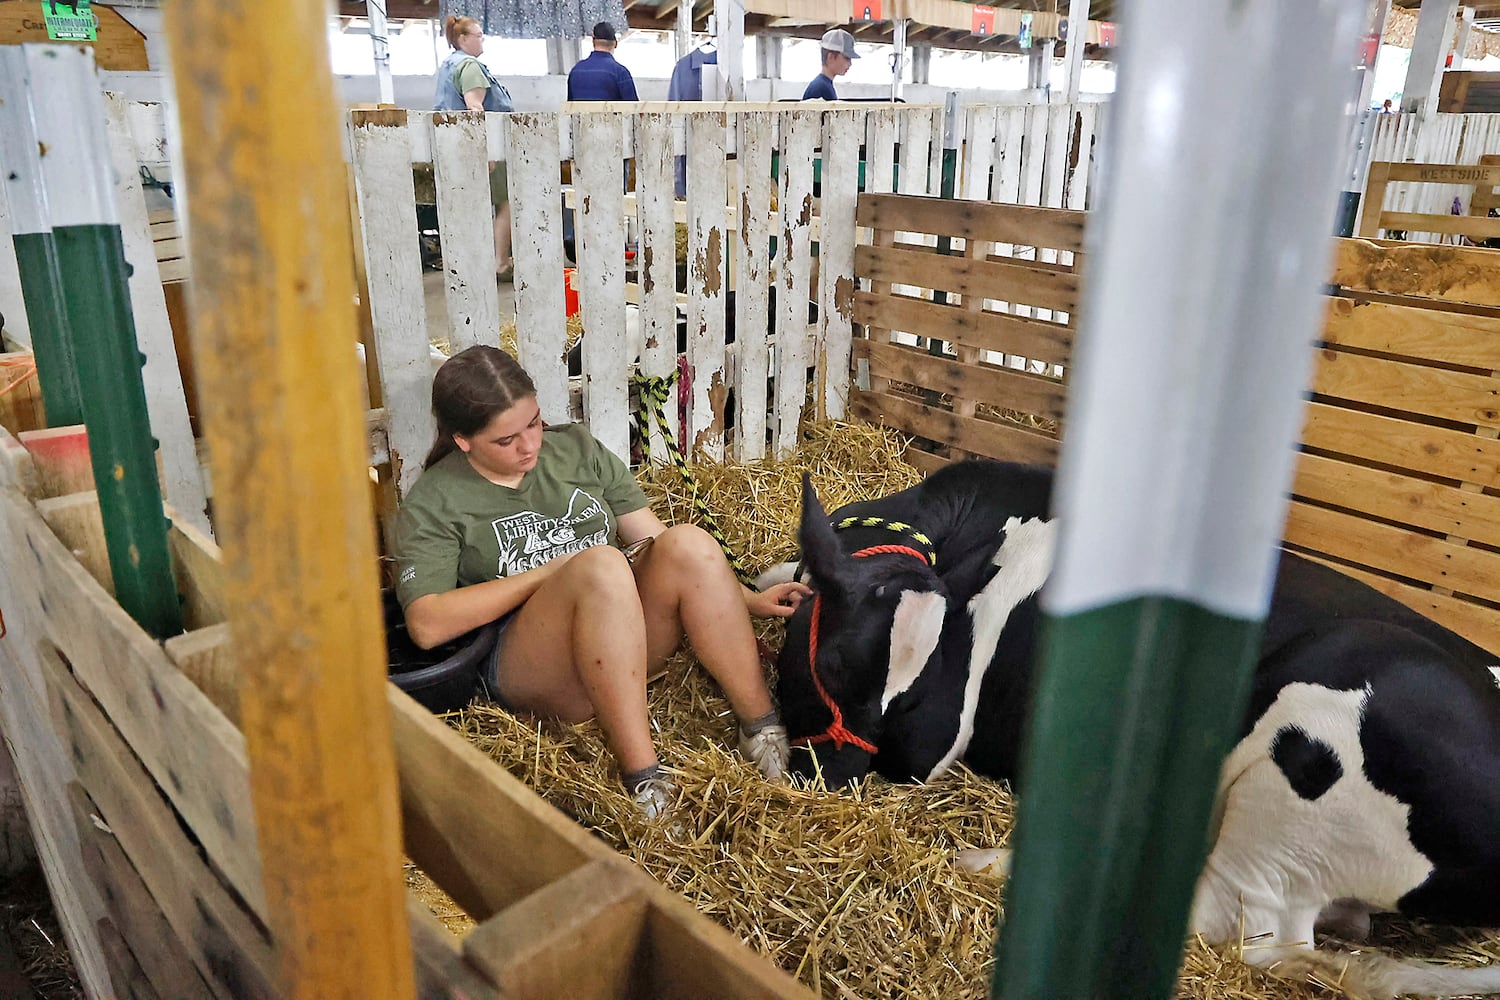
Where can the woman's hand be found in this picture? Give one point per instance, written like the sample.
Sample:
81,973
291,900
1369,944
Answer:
779,601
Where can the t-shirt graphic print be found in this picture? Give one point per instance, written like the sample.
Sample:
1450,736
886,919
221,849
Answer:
531,539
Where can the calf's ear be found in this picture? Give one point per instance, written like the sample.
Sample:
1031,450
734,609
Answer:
820,545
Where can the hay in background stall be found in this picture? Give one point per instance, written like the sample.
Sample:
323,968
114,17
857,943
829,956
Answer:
508,341
855,894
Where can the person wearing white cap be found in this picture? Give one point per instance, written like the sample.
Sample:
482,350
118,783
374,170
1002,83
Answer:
838,56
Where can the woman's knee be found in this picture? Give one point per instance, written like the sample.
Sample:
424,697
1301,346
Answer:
600,569
688,543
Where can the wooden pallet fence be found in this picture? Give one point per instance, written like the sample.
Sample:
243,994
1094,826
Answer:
1376,219
953,388
1440,138
1399,479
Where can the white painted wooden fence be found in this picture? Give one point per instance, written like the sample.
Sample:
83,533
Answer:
735,211
1037,155
1443,138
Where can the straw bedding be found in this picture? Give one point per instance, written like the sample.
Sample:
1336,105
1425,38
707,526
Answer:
855,894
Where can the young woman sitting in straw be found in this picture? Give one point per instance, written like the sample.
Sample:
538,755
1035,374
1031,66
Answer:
515,523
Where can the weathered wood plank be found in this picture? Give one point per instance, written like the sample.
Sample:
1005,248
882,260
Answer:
1465,225
182,479
973,381
1060,229
224,940
541,320
1011,281
880,150
205,657
1454,274
580,936
441,968
970,434
1436,561
599,177
388,217
657,260
1395,497
979,154
707,178
836,262
800,131
461,814
757,139
986,331
1426,334
162,958
1432,392
1434,451
461,178
60,460
189,747
293,508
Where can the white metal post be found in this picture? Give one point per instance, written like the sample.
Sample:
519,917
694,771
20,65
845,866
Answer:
1078,36
729,21
381,41
1461,41
898,56
1167,539
1424,74
683,40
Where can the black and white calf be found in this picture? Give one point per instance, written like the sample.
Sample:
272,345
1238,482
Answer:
1366,779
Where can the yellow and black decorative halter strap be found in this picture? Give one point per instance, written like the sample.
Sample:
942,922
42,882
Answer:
655,394
900,527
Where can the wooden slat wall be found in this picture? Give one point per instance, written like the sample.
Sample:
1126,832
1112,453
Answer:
1398,481
996,385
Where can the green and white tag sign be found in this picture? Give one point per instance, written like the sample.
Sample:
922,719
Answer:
74,22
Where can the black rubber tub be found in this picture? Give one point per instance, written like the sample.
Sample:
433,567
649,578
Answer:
443,678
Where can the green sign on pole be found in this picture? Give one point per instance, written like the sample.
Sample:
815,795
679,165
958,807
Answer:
74,22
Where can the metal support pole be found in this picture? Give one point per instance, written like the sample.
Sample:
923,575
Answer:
1424,74
67,108
36,249
729,23
921,62
1078,33
381,41
271,326
1167,541
898,56
1039,65
1461,38
683,39
768,57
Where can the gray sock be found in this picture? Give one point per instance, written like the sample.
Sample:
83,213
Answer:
634,779
771,718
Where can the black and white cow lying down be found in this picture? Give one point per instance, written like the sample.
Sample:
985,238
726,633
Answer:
1366,779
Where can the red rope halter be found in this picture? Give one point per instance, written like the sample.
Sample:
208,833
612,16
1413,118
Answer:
837,733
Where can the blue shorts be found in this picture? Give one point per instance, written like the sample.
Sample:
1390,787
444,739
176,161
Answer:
489,673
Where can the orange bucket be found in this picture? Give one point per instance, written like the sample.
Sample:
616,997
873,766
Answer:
570,293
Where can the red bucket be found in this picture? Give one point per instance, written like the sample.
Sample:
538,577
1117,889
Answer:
570,293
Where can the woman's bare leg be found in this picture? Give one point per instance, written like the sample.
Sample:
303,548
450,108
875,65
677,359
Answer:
577,650
686,586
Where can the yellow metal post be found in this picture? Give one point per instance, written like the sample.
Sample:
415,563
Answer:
273,329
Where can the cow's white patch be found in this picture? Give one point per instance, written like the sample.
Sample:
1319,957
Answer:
1025,559
1279,859
1496,672
914,635
780,573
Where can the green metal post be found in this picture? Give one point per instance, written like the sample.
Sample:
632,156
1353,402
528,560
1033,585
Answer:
68,108
36,251
1167,549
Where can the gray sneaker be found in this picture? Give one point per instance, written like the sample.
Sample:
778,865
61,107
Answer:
768,750
654,797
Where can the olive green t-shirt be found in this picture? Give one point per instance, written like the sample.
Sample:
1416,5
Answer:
470,76
457,528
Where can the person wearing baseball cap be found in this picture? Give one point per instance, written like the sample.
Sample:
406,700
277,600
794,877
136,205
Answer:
599,77
838,55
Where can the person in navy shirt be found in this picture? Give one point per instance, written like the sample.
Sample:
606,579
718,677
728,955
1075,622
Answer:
599,77
838,55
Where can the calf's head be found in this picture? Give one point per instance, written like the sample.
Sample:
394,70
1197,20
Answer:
864,638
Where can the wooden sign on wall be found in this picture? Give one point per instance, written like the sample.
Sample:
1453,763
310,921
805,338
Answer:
120,46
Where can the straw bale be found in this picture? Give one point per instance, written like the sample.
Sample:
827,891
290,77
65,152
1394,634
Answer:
509,342
856,894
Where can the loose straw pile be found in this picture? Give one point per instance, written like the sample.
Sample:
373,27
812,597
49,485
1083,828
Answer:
856,894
